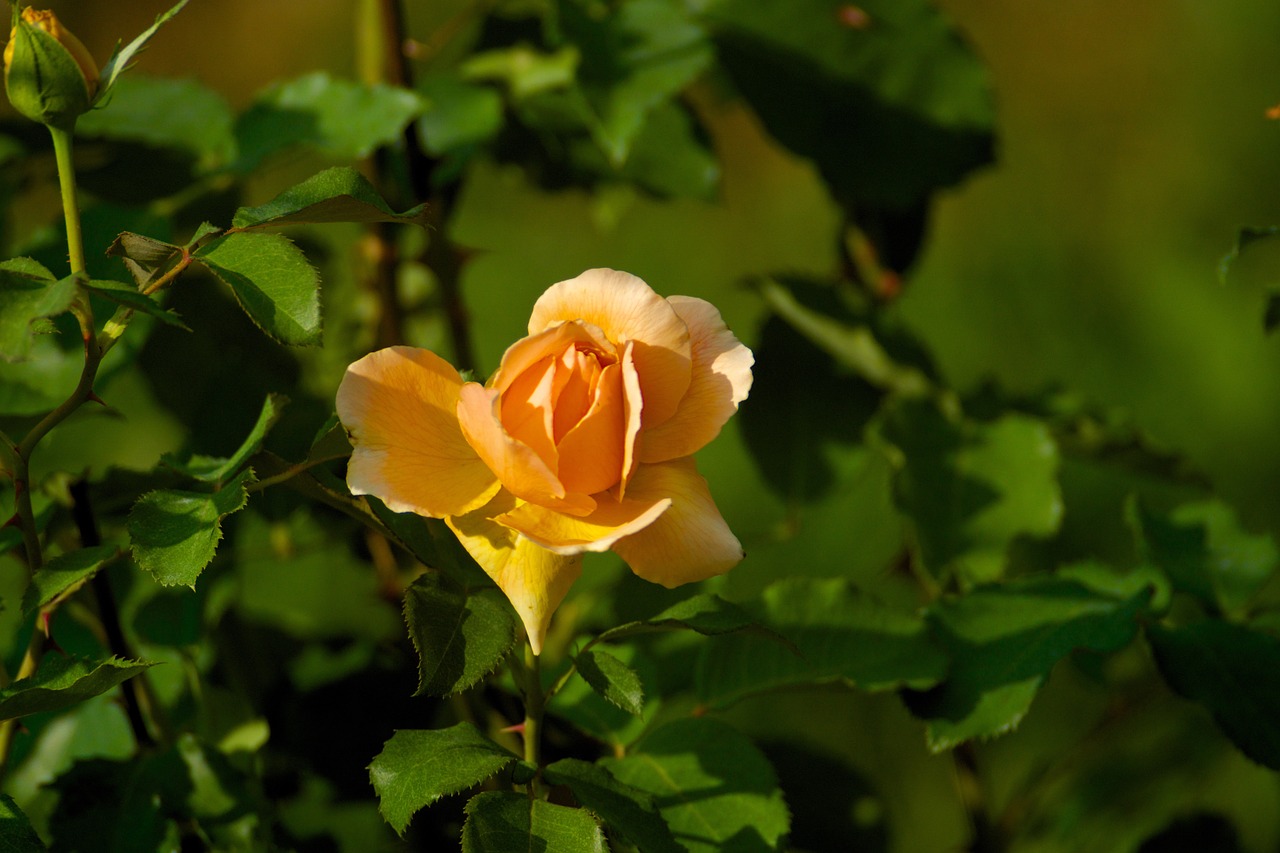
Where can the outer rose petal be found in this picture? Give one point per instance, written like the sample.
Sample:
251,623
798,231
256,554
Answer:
627,309
598,531
721,380
519,468
533,579
399,406
689,542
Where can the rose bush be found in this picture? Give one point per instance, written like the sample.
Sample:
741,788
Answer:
580,441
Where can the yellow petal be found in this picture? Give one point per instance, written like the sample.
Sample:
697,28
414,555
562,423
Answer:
533,579
721,380
526,352
521,470
690,541
399,405
634,411
564,534
627,309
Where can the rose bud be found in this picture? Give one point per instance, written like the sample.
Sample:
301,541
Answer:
49,75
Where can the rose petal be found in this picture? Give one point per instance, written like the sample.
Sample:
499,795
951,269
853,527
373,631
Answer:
598,531
627,309
721,380
527,410
516,465
527,352
634,410
399,406
591,454
690,541
533,579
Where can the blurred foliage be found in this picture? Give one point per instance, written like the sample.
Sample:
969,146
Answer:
1005,477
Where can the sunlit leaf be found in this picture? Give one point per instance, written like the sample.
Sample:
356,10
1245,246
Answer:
501,822
122,59
340,194
344,119
972,487
16,833
64,574
273,281
63,681
166,112
715,790
460,635
416,768
1004,639
839,634
28,294
175,533
1234,672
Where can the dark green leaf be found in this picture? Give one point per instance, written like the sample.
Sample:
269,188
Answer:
671,158
330,443
344,119
64,681
839,634
28,293
167,112
1004,639
175,533
16,833
580,704
1205,553
715,790
129,296
122,60
818,82
1245,238
416,768
612,679
971,488
461,636
704,613
64,574
503,822
274,283
340,194
1234,672
628,811
216,469
41,382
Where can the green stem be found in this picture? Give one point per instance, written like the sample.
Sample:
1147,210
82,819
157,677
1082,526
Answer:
533,708
70,208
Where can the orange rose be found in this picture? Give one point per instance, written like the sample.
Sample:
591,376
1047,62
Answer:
580,441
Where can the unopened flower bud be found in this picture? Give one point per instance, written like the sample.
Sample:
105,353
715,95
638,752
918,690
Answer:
49,75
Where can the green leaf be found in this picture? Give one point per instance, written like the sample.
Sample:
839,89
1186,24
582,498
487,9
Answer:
628,811
458,115
166,112
460,635
582,706
1205,553
129,296
839,633
343,119
272,280
818,79
503,822
175,533
145,257
1234,672
612,679
28,294
215,470
65,574
340,194
40,383
122,60
1004,639
705,613
633,59
16,832
671,158
715,790
63,681
416,768
1245,238
971,488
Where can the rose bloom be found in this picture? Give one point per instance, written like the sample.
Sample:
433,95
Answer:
580,441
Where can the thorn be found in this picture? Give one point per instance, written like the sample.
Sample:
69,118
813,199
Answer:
1273,113
93,395
853,17
13,521
517,729
699,710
